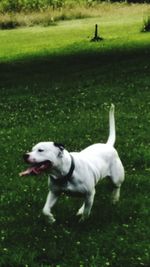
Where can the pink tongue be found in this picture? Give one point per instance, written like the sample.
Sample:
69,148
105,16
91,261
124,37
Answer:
31,170
34,170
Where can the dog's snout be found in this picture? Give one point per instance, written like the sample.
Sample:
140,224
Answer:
26,157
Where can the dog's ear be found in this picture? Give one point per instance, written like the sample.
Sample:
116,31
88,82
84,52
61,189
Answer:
59,145
61,149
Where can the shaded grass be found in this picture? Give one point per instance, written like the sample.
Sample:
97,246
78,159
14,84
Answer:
61,91
101,240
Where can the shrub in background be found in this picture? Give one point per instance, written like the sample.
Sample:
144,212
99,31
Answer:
24,5
9,21
146,26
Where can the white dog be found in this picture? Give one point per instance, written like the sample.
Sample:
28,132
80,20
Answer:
77,173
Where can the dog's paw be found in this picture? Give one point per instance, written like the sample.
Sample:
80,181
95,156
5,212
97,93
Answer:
114,201
83,218
112,107
49,216
51,219
80,211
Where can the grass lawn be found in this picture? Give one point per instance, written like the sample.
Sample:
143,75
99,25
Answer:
57,85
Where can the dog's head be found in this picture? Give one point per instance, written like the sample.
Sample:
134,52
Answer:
44,156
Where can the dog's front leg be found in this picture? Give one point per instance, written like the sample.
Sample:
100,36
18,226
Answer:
86,207
50,202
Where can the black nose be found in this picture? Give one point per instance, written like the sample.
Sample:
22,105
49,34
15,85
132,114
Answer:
26,157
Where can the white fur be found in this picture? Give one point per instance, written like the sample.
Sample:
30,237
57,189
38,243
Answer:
91,164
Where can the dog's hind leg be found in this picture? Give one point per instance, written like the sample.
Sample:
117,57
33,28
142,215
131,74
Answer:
117,177
115,195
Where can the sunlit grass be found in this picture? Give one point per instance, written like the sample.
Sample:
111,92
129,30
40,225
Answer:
118,30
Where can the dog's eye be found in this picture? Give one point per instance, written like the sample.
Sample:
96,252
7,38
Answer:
40,150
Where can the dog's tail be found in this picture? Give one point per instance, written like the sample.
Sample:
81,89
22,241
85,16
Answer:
112,131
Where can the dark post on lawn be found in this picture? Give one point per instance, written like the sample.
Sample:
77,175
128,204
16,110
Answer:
96,37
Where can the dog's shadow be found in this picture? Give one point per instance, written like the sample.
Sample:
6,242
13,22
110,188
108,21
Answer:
103,212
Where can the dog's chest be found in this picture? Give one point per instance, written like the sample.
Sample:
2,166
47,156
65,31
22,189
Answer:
73,190
70,188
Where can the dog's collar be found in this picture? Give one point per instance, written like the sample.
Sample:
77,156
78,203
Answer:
62,180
